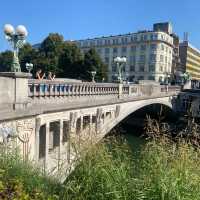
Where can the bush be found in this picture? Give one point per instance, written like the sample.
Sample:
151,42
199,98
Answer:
20,180
165,169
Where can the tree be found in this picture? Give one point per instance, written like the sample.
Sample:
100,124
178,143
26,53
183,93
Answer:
49,52
71,61
6,59
27,54
93,62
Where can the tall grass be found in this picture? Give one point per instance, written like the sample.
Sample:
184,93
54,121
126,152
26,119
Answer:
167,168
20,180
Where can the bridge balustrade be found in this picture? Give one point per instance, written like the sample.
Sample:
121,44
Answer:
46,88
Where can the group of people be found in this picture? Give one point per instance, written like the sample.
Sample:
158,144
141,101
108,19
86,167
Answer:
40,75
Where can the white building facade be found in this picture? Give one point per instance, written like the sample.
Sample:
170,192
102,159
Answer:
149,54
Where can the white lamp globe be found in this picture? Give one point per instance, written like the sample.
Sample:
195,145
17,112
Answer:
9,29
124,59
117,59
21,30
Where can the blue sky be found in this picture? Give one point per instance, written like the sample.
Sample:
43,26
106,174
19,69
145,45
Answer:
80,19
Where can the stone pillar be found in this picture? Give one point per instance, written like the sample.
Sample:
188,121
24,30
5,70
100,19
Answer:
47,147
14,90
37,132
98,120
120,90
61,143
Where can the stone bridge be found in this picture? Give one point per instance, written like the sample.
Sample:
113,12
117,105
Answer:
47,119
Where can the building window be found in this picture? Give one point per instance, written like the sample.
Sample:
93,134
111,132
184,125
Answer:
115,41
162,47
132,39
99,42
135,38
152,78
107,42
133,49
145,37
162,37
143,47
132,60
99,51
124,40
142,38
114,68
161,68
107,50
154,36
124,49
141,78
153,46
115,50
141,68
107,60
153,57
85,44
132,68
165,59
161,58
152,68
142,58
91,44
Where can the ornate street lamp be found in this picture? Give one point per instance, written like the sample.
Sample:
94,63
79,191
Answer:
29,67
93,73
120,61
17,40
167,78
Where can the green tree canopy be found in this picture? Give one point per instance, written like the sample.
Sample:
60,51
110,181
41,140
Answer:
61,57
6,59
49,52
27,54
71,61
93,62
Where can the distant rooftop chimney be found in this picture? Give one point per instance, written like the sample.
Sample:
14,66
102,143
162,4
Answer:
164,27
185,36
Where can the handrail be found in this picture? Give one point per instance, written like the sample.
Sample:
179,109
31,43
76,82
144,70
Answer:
55,88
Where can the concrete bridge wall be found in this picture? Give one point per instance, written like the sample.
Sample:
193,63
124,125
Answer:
47,119
49,139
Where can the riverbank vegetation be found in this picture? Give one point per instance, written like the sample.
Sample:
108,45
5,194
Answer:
167,168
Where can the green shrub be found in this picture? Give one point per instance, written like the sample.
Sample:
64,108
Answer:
164,170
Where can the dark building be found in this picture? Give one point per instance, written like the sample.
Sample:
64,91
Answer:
164,27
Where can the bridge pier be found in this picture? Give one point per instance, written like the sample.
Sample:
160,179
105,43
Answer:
60,144
46,159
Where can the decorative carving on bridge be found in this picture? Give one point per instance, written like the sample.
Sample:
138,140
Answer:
25,129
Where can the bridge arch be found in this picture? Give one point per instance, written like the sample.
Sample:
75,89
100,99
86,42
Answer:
127,109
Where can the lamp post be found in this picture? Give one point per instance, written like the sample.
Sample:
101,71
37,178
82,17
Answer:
167,77
29,67
17,40
120,61
93,73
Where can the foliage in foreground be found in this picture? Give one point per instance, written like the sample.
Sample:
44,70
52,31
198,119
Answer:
166,169
20,181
